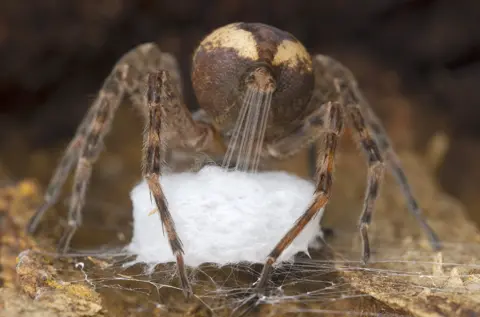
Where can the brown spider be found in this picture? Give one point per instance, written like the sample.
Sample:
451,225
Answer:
310,99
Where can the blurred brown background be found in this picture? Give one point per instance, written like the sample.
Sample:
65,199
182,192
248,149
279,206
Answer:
417,60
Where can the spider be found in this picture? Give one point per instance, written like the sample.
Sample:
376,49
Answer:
254,83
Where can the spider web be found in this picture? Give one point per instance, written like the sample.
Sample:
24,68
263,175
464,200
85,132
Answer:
328,283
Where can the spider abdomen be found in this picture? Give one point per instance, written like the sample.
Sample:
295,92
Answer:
227,56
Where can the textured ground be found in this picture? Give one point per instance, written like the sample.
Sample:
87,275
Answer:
424,284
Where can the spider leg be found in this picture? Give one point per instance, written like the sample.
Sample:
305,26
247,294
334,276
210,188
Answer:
127,77
339,80
333,123
108,100
61,172
168,120
177,128
376,168
395,167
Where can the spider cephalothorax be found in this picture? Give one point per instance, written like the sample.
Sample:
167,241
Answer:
262,96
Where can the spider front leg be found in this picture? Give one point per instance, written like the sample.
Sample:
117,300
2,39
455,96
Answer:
169,123
330,119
